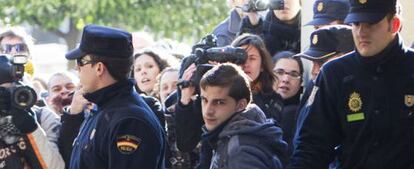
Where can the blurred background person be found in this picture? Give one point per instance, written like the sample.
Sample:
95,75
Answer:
280,28
167,83
329,12
141,40
227,30
289,71
60,90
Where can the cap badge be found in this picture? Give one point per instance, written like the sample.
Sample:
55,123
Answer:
409,100
315,39
362,1
355,102
320,6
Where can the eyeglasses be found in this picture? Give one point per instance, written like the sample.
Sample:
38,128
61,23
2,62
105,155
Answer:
19,48
292,74
82,61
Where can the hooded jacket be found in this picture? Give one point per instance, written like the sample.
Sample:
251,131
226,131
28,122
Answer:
247,141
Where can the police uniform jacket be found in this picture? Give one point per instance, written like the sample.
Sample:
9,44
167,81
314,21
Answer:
121,133
362,111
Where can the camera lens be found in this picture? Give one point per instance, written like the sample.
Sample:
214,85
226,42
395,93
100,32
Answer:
24,97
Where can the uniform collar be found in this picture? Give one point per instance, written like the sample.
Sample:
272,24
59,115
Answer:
102,96
391,55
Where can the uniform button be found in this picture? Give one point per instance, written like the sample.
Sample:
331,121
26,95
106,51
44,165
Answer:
375,78
376,112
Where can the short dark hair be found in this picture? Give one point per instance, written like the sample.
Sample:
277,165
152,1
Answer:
266,77
118,67
228,75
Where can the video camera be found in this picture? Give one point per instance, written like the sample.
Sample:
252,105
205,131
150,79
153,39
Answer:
262,5
206,50
18,96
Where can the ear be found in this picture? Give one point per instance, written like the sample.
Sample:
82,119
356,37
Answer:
241,104
396,24
100,69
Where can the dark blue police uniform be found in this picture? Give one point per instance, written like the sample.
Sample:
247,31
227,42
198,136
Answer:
121,133
363,108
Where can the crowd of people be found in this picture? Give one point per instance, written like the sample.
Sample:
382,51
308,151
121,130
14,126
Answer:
136,103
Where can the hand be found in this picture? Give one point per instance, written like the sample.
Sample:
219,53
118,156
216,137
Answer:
188,92
24,120
78,102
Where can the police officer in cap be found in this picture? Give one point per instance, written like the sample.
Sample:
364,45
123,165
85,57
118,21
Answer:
121,131
329,12
326,43
362,106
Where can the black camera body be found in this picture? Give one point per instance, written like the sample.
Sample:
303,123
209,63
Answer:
19,96
206,50
262,5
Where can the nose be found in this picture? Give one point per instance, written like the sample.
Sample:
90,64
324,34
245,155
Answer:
208,109
362,28
285,78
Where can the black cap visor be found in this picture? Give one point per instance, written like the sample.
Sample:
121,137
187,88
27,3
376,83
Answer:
320,21
364,17
315,55
75,54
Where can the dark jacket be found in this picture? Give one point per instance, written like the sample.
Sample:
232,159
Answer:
288,121
363,108
121,133
189,120
227,30
248,140
277,35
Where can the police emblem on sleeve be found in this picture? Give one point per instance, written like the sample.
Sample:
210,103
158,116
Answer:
355,102
362,1
127,144
409,100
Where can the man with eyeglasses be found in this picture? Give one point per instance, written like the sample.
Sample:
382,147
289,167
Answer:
361,110
120,131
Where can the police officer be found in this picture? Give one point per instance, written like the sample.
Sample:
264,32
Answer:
121,131
362,106
329,12
326,43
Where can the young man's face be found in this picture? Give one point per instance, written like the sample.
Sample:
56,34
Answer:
371,39
217,106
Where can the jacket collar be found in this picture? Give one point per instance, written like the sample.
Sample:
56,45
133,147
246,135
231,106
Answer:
386,59
234,22
102,96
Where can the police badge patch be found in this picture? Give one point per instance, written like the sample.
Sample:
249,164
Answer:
128,144
355,102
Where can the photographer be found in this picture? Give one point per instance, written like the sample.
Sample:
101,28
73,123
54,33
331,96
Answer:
256,64
280,28
29,134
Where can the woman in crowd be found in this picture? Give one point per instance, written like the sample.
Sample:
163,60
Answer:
289,71
148,65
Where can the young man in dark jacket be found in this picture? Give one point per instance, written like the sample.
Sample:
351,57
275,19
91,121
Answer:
238,132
